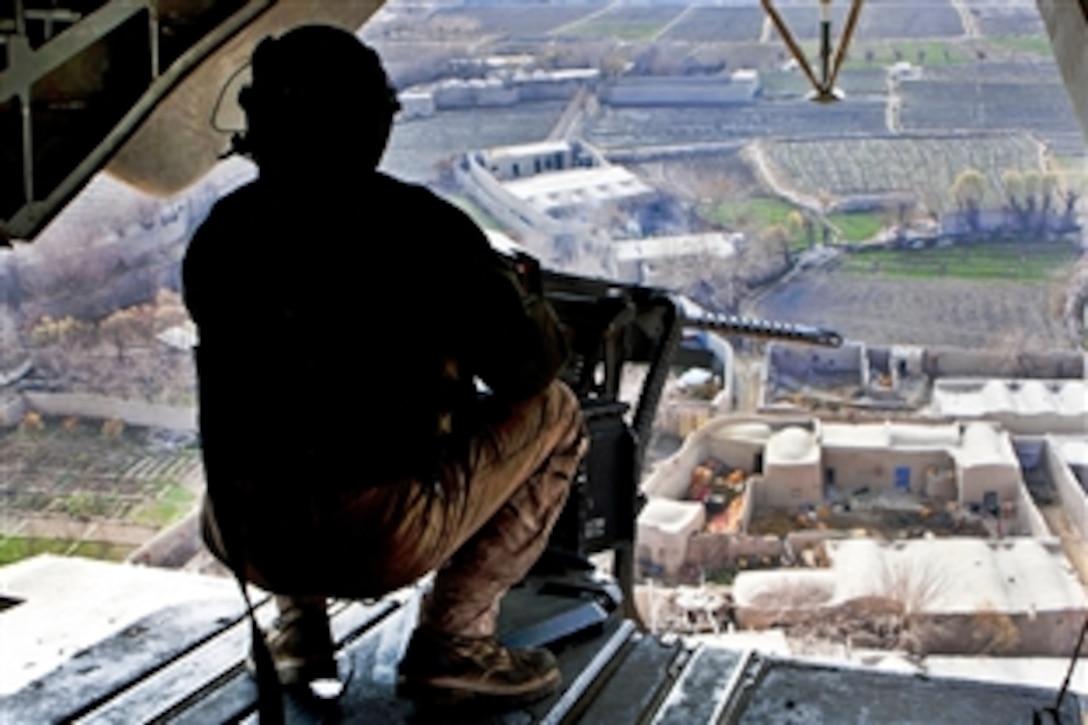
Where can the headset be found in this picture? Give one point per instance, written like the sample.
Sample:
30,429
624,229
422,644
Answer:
298,70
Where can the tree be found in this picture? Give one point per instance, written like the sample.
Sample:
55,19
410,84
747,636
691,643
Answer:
1048,187
1032,189
1069,216
167,311
1016,197
795,224
614,64
968,190
31,423
914,585
113,429
128,327
1013,183
777,240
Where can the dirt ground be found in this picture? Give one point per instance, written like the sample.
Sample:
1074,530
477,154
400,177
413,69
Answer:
956,312
886,524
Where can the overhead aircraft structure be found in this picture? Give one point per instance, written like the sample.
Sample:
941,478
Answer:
126,85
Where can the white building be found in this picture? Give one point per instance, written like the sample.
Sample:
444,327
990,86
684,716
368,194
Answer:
640,259
804,462
1024,406
574,190
473,93
507,163
1016,596
416,103
791,469
541,85
1066,464
977,458
558,196
799,458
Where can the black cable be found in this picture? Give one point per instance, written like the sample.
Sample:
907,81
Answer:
219,99
1069,674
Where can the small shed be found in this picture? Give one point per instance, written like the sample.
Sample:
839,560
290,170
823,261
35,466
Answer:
791,469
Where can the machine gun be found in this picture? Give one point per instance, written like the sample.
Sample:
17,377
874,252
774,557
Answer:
611,325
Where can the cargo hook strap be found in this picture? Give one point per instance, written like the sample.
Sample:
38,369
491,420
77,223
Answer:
825,85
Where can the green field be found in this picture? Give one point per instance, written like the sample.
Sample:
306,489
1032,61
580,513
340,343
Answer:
171,503
857,226
18,547
878,54
634,30
1033,44
754,216
67,468
757,214
1036,262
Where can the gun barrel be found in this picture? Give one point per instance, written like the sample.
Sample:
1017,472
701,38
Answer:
772,329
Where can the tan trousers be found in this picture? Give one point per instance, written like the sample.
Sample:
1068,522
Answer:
482,529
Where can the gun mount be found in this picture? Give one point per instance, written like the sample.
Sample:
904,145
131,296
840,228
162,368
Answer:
612,325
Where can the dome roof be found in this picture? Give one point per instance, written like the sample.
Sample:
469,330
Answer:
792,445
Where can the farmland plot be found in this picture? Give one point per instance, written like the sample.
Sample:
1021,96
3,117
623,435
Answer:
717,25
518,21
1041,107
886,310
68,469
858,82
1033,262
618,128
924,166
888,19
994,71
1010,19
418,145
627,23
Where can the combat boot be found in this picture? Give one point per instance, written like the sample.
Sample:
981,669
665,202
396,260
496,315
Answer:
300,642
440,668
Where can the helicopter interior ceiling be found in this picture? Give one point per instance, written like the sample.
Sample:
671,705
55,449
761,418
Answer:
123,84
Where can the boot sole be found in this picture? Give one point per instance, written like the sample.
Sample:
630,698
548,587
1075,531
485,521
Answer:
440,696
298,673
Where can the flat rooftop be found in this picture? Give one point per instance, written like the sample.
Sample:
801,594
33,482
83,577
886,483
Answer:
968,575
575,187
536,148
971,398
714,243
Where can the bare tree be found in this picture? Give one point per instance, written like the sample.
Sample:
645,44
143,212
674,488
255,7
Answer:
914,584
1013,182
1048,188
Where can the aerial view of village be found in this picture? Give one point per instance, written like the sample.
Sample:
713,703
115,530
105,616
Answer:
919,492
